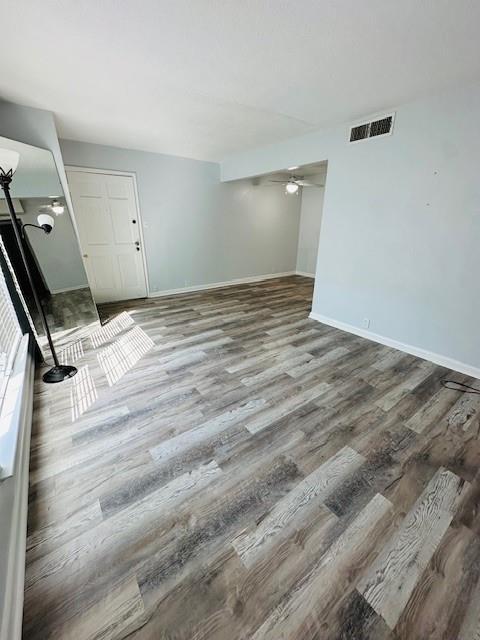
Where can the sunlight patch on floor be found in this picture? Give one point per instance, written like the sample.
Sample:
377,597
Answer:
111,329
123,354
83,392
72,353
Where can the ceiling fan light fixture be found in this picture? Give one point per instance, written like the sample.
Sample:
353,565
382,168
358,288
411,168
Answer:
291,187
57,207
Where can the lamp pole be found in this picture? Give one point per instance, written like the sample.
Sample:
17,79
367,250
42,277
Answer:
58,372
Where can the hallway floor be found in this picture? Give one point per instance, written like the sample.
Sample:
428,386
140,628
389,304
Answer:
222,467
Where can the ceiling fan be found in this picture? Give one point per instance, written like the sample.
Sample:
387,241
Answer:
294,182
55,205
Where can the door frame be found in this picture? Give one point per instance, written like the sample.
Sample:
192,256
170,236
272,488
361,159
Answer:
129,174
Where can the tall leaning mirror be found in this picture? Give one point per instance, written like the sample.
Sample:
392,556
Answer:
50,247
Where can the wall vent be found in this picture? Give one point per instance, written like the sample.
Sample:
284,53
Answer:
381,127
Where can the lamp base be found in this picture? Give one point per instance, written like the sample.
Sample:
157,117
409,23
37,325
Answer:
59,374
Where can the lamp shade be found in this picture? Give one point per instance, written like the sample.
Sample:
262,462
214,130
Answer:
46,221
8,162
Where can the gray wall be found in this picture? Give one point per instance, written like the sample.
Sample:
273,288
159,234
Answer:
310,222
197,230
401,223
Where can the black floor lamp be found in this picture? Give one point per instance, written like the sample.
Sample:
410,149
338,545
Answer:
8,165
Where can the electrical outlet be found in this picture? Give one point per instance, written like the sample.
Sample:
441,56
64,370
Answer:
366,323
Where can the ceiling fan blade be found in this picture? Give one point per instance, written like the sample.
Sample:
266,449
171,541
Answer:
279,181
306,183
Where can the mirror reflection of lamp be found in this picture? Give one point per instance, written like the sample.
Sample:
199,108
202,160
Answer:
46,222
8,165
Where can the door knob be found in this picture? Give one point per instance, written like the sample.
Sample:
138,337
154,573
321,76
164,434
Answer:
137,242
85,255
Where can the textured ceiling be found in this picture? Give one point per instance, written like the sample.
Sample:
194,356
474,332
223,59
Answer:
205,78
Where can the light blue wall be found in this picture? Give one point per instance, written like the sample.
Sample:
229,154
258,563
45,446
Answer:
400,237
310,224
197,230
314,147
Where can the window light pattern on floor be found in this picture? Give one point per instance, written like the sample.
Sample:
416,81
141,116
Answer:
83,392
72,353
123,354
111,329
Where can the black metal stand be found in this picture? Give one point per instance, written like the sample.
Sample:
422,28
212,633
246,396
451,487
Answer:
59,372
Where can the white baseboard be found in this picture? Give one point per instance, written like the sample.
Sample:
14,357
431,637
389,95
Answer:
436,358
305,274
218,285
65,289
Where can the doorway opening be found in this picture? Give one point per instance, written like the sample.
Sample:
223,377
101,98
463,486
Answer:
311,212
307,183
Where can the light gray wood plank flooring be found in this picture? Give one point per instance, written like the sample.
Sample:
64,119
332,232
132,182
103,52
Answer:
222,467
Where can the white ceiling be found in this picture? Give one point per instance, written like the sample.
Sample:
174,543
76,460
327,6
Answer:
204,78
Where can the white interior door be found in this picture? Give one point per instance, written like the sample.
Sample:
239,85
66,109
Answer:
110,234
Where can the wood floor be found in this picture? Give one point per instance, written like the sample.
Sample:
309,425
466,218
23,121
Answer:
66,312
222,467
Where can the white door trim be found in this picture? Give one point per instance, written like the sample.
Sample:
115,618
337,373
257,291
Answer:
132,175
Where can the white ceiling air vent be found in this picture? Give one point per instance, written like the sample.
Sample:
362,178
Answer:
380,127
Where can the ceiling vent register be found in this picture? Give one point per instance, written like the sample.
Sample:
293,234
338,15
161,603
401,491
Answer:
374,129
